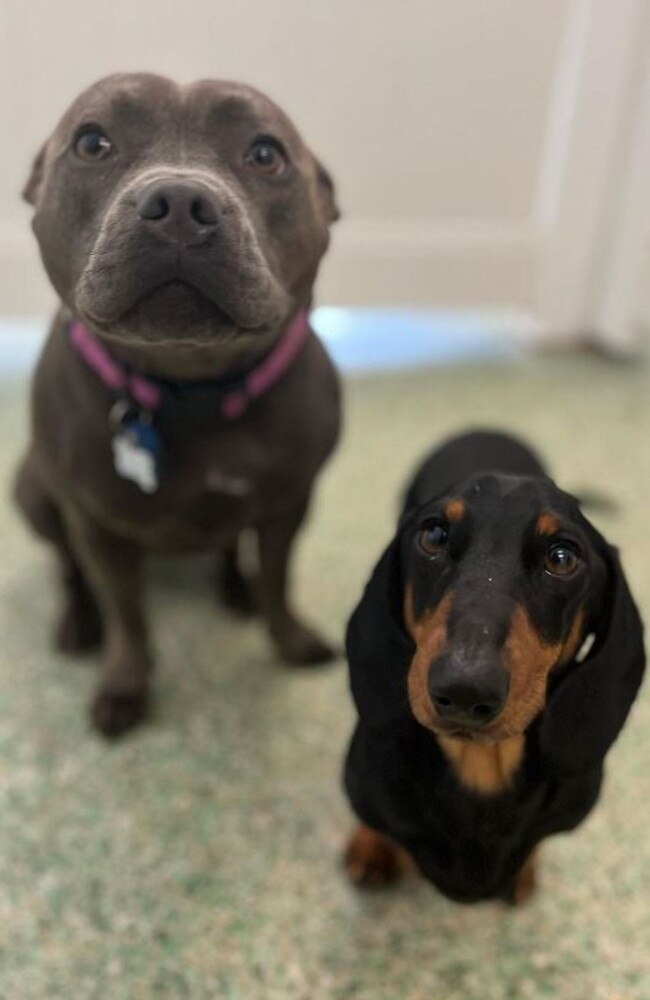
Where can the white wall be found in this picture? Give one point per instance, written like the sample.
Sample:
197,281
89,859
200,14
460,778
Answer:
430,113
436,117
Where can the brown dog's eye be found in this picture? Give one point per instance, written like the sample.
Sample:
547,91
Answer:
561,560
92,144
433,538
266,156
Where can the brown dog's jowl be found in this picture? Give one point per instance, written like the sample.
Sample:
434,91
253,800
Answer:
181,397
494,658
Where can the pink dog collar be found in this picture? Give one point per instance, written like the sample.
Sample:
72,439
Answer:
147,392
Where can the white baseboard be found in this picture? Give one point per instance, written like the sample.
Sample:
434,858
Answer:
435,263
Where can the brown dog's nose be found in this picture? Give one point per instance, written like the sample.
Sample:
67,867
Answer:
470,696
178,211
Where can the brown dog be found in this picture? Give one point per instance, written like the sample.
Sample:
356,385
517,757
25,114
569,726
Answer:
180,397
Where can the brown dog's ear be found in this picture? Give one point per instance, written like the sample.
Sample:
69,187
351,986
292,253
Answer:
33,186
378,647
327,191
587,710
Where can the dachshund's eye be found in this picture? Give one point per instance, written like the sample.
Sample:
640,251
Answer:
92,144
433,537
562,559
266,156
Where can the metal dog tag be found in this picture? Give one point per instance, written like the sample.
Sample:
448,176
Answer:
137,449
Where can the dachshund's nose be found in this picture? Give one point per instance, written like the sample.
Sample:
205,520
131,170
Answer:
469,696
178,211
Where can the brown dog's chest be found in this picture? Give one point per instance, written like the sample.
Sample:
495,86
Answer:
209,491
217,477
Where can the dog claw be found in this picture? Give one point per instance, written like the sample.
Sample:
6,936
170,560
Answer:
114,714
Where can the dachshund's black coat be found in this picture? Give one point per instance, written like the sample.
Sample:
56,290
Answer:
493,581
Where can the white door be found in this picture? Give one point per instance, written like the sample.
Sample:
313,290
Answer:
533,186
593,206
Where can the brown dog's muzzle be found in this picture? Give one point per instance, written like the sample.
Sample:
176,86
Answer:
176,249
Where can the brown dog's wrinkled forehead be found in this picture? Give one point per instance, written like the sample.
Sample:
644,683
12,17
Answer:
135,94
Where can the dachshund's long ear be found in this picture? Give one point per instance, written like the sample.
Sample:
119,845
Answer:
587,710
378,647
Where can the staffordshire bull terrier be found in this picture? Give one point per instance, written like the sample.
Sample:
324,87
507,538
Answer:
181,397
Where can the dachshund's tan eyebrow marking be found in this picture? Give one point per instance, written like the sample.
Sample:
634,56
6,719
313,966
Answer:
547,524
454,510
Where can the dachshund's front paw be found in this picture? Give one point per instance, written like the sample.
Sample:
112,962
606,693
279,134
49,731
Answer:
371,860
113,714
525,884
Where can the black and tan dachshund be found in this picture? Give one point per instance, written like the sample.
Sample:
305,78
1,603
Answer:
494,657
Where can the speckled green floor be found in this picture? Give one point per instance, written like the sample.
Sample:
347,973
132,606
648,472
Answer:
199,858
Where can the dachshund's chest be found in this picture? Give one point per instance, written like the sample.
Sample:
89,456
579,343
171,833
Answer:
471,845
485,770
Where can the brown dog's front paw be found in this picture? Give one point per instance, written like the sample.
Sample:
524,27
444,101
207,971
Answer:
79,630
299,646
114,714
371,860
